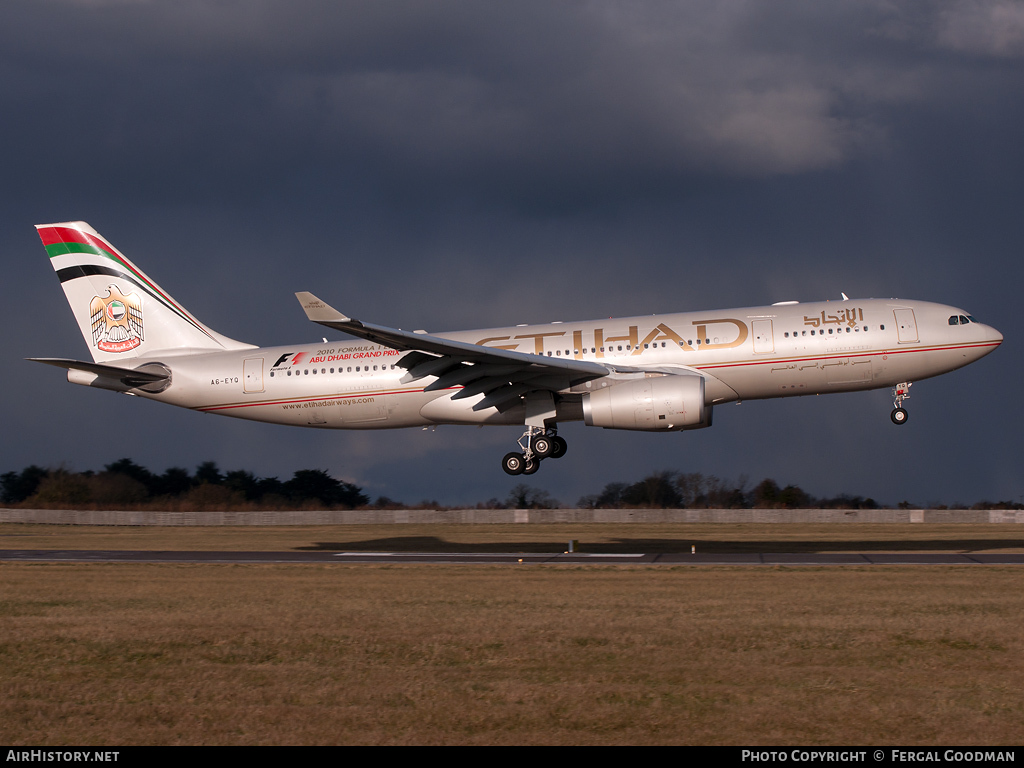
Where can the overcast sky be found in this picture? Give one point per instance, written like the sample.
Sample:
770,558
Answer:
449,165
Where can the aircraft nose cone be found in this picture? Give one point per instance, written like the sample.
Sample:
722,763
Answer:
997,337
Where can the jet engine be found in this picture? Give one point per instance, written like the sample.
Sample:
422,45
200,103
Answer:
660,403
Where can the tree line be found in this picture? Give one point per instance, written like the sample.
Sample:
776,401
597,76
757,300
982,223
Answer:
693,490
125,484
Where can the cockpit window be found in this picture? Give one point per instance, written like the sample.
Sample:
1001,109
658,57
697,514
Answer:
961,319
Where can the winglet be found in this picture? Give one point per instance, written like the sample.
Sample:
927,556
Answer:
318,310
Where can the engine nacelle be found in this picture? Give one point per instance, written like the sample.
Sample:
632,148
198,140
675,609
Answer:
660,403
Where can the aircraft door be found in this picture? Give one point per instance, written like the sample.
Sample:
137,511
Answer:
906,326
764,339
252,375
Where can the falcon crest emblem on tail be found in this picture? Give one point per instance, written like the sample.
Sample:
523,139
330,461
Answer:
116,320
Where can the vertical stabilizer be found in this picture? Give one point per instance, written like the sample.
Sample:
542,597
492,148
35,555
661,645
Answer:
121,312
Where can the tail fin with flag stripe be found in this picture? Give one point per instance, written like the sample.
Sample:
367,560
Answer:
121,312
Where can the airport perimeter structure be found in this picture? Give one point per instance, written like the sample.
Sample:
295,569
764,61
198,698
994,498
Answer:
506,516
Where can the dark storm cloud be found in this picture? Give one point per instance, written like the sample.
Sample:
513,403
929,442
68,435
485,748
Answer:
578,95
458,164
533,102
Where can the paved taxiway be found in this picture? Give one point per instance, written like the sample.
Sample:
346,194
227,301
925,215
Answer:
577,558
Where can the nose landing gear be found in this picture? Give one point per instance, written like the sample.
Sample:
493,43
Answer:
900,392
536,443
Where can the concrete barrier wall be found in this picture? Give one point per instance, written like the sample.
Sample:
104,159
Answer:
508,516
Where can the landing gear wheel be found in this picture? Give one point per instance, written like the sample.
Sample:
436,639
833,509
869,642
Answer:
543,446
531,465
558,447
514,463
899,416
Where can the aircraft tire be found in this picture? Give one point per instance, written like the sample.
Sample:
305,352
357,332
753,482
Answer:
558,447
543,447
531,465
899,416
513,463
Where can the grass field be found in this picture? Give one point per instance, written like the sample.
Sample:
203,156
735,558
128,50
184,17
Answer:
118,654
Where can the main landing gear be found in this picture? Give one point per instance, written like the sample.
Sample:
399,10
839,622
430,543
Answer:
537,443
900,393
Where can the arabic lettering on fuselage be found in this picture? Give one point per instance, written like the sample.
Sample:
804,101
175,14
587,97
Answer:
848,316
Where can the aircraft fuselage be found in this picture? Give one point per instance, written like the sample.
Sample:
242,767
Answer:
743,354
654,373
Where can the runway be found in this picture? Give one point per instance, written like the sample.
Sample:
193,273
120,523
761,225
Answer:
514,558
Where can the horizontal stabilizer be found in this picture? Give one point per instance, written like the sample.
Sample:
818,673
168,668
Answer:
128,377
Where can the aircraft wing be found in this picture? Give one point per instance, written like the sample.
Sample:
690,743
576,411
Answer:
501,375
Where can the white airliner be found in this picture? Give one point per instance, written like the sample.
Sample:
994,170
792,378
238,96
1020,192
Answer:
659,373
